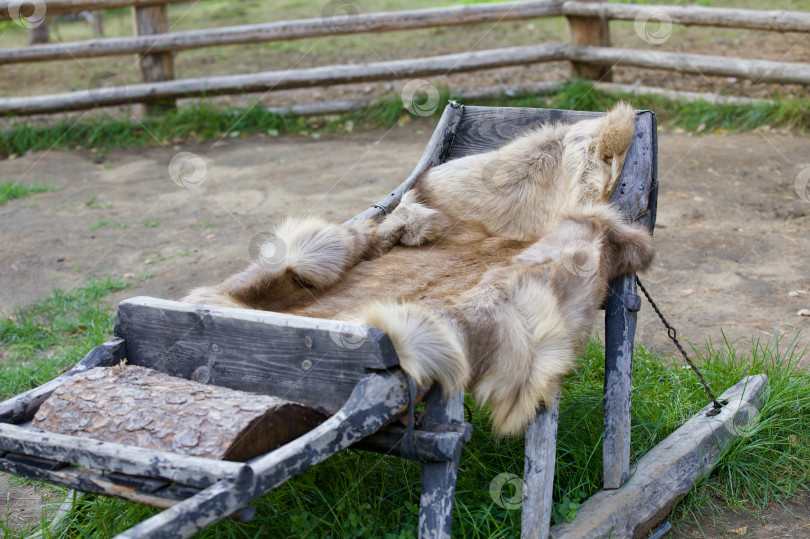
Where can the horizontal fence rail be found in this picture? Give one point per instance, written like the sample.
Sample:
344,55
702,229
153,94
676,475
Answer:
285,30
696,64
777,20
285,79
11,9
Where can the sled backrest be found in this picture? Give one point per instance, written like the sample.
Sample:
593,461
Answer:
306,360
467,130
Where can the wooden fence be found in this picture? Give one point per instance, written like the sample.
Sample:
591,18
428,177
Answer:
588,50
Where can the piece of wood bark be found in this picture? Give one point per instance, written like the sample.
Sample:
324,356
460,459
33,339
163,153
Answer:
144,408
668,470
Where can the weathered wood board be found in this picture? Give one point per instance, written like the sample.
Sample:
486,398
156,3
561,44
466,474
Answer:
306,360
140,407
668,471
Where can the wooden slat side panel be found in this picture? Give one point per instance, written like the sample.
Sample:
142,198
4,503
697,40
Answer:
306,360
633,192
486,128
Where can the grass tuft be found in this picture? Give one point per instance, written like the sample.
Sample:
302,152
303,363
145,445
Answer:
10,190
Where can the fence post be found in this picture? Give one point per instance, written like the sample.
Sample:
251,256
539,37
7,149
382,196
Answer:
584,31
158,66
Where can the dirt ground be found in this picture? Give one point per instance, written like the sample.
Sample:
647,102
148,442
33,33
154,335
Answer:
733,235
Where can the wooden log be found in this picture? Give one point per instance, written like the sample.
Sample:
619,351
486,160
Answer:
483,92
697,64
776,20
286,30
280,80
679,95
155,66
22,408
376,400
98,23
308,361
117,458
538,473
668,470
11,9
589,31
140,407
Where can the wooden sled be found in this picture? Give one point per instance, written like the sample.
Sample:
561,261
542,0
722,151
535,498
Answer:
347,370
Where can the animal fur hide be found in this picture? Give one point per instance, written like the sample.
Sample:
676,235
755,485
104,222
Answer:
498,262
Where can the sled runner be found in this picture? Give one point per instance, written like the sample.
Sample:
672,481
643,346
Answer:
340,379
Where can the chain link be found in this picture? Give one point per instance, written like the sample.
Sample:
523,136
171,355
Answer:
673,334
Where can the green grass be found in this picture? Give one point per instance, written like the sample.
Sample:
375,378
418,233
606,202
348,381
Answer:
203,122
10,190
38,341
357,494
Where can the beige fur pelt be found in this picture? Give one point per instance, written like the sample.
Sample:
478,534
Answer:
497,263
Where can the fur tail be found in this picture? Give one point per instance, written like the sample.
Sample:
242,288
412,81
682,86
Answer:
428,348
616,131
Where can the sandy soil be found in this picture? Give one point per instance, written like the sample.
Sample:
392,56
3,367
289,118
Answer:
733,235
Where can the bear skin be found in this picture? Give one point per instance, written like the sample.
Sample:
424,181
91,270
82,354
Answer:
536,208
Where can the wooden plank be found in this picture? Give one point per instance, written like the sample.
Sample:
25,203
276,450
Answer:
155,66
776,20
482,92
113,457
13,9
285,79
439,478
377,399
586,31
22,408
141,407
482,129
436,152
89,480
668,470
538,473
296,358
697,64
620,327
679,95
429,446
287,30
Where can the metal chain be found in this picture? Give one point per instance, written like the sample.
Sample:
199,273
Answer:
673,334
